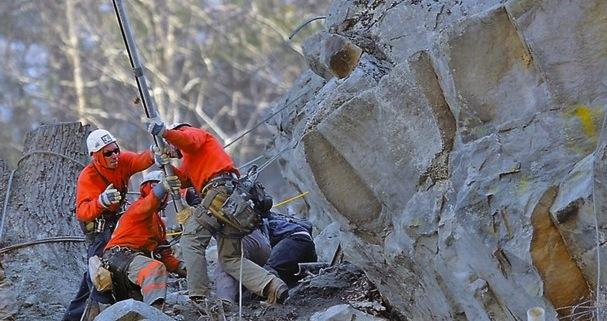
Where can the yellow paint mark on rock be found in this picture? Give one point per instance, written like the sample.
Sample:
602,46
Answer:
582,127
523,185
586,117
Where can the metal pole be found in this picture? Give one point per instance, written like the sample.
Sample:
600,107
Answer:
142,85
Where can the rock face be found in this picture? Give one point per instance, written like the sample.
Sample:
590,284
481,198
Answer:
464,156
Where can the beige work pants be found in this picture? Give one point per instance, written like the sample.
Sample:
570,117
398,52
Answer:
254,277
194,242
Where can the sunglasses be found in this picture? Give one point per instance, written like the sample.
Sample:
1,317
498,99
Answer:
111,152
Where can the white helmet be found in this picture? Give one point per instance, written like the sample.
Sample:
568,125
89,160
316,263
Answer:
177,125
152,176
98,139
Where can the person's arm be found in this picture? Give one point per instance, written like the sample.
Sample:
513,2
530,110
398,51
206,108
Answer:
88,207
172,264
183,178
137,162
188,141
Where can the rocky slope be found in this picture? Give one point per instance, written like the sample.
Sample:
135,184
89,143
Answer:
459,145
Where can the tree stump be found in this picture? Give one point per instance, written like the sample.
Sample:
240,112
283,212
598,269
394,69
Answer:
44,277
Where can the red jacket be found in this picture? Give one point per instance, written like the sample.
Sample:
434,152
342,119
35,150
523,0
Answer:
140,228
203,155
94,179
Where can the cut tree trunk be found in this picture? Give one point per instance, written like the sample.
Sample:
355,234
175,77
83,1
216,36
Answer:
44,277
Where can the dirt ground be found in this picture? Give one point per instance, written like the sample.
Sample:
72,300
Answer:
341,284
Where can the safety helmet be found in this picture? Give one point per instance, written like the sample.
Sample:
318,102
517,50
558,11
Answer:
98,139
178,124
152,176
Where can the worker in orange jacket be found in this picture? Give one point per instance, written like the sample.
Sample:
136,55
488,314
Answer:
100,192
138,253
209,169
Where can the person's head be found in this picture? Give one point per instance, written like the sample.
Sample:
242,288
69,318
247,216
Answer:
179,125
150,179
103,148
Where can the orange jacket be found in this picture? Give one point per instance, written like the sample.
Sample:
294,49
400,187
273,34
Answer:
94,179
203,155
140,228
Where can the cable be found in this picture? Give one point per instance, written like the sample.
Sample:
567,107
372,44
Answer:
53,239
263,121
10,180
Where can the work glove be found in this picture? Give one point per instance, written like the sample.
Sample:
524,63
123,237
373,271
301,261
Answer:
161,157
169,183
183,215
155,126
172,183
192,198
109,197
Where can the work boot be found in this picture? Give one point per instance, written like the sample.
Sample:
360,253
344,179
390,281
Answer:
227,305
276,291
200,303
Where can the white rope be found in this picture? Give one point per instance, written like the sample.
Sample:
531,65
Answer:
598,251
240,282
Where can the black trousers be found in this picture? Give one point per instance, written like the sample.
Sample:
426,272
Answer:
287,253
76,308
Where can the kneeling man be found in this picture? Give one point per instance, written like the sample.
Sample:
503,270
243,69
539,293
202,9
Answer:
138,254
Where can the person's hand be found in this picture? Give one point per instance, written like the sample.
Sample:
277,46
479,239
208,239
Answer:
110,196
172,183
192,198
161,157
181,270
155,126
167,184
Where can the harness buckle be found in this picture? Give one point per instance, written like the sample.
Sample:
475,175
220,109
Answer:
100,225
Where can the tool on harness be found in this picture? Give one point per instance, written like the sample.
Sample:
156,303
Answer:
106,220
261,200
117,261
237,202
100,276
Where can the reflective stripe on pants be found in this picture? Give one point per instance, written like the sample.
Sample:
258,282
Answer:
151,276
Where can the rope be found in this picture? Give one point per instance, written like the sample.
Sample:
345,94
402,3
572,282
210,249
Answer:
10,180
598,251
54,239
240,282
305,23
291,199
